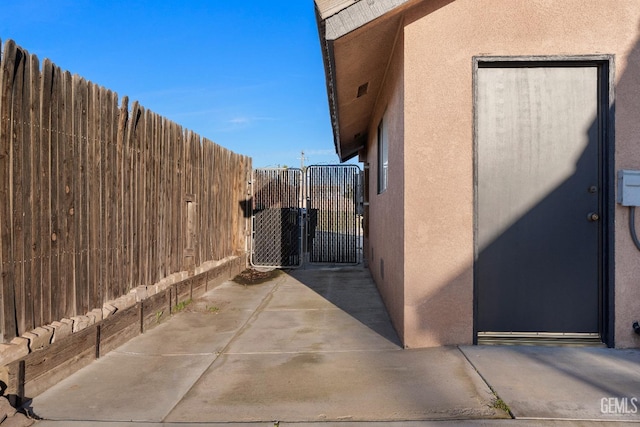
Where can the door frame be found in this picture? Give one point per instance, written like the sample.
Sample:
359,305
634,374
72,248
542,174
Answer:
606,147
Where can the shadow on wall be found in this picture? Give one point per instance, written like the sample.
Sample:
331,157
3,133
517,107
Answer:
521,273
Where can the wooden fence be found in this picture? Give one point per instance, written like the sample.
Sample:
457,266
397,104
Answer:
98,197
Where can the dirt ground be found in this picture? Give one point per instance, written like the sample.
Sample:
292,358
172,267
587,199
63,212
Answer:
251,276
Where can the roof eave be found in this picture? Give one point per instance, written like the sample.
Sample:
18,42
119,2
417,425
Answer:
349,17
329,67
357,15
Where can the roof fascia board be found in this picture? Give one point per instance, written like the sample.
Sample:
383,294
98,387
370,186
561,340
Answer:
333,96
327,8
357,15
328,59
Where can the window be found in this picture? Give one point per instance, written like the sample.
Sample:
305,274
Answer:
383,157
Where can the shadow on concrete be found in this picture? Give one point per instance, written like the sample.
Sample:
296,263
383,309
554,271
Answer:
562,382
352,290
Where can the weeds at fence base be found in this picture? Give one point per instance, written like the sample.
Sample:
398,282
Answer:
251,276
181,305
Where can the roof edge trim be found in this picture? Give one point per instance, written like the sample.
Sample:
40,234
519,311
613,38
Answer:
327,8
357,15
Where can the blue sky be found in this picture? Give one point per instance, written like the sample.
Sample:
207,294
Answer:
247,75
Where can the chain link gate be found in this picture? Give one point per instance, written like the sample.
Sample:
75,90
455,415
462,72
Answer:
334,224
315,216
277,217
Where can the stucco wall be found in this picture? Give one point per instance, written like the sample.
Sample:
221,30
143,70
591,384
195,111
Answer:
440,39
386,230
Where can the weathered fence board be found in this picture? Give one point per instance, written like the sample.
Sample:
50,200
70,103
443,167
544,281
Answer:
68,197
80,207
45,177
98,194
119,195
36,189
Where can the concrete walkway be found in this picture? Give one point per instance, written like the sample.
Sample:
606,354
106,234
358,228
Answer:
316,345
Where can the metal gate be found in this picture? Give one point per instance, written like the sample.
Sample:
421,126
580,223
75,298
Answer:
333,222
314,216
277,217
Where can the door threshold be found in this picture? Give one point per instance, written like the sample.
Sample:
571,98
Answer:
558,339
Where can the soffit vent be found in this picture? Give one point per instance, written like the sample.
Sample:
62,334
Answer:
362,89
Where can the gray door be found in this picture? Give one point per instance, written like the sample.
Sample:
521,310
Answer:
538,198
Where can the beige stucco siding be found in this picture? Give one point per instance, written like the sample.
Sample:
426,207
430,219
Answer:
627,136
386,231
440,40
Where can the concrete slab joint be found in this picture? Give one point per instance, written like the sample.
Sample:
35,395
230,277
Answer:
42,337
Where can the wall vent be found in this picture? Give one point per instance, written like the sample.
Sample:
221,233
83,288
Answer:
362,89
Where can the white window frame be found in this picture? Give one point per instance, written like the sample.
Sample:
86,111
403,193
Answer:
383,157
